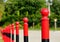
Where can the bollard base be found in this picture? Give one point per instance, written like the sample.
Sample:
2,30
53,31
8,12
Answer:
12,36
25,38
45,40
17,38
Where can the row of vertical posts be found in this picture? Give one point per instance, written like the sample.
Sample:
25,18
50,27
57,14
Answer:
8,32
17,30
45,28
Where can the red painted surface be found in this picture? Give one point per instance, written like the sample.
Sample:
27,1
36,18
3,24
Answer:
17,28
5,38
25,26
45,28
45,23
44,12
12,28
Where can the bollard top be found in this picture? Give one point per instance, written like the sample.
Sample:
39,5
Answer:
12,24
25,19
44,12
17,23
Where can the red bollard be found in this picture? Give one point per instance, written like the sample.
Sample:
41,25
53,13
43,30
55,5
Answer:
17,31
25,29
12,32
6,34
45,25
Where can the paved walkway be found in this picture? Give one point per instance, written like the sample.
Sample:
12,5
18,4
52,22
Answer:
35,36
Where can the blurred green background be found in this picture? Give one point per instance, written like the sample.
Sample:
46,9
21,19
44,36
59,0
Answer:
15,10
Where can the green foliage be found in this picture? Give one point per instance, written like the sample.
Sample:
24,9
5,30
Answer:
18,9
55,8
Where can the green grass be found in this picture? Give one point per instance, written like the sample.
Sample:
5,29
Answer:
52,28
57,29
38,27
1,40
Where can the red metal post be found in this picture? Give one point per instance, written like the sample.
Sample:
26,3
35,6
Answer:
25,29
6,34
12,32
45,25
17,31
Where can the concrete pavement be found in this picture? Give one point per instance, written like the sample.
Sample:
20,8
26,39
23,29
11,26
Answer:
35,36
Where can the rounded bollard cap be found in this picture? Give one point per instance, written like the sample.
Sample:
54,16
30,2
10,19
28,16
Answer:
12,24
25,19
17,23
44,12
